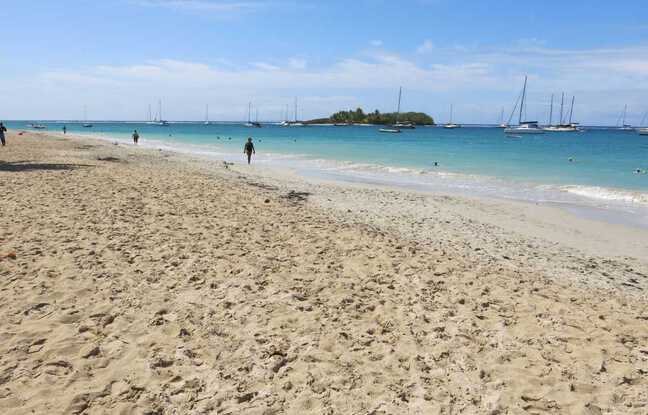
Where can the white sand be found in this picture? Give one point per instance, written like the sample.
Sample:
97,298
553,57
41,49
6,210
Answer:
154,283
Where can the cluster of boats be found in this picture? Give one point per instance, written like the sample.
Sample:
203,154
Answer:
533,127
564,125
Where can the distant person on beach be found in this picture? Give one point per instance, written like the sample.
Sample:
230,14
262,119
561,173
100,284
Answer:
249,149
135,137
2,133
64,130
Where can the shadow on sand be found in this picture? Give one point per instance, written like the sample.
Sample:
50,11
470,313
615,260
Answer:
28,165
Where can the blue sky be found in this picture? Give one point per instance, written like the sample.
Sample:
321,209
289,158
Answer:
119,56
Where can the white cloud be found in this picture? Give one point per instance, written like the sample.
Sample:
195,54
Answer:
602,79
425,47
266,66
297,63
376,43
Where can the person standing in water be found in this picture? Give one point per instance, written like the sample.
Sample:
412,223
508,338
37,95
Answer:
135,137
2,133
249,149
64,130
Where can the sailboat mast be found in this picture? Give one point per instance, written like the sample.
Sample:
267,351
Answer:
160,109
400,91
523,97
571,110
551,110
249,112
451,113
625,109
562,102
295,109
149,113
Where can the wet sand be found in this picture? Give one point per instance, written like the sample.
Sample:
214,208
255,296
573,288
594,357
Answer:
141,281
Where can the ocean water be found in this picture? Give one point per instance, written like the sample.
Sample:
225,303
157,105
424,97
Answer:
593,172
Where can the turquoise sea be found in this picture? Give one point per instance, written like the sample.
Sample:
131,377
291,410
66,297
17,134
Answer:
593,172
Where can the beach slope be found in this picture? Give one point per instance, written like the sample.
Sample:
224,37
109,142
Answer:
136,281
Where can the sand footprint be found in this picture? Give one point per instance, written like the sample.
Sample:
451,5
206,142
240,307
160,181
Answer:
58,368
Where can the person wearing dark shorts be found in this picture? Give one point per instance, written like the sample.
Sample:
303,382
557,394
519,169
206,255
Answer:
135,137
249,149
2,133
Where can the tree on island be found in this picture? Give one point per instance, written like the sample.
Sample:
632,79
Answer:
360,117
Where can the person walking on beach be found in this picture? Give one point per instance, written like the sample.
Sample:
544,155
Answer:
249,149
135,137
2,133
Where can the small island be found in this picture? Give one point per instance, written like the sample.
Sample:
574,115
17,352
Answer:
360,117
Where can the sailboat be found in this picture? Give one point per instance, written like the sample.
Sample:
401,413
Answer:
159,121
256,123
624,126
149,120
562,127
85,118
451,124
643,130
524,127
249,122
407,125
207,115
285,122
502,124
394,129
295,123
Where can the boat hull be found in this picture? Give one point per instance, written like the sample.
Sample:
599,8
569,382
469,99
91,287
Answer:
560,129
523,131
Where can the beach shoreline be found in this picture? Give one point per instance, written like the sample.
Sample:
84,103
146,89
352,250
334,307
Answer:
603,192
146,281
594,231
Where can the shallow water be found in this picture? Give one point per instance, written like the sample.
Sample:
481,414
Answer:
482,161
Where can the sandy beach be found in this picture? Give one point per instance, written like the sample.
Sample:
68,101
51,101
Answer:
147,282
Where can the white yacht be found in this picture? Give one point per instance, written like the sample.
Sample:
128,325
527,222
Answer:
524,127
207,115
502,124
451,124
407,125
624,126
158,118
393,129
643,130
86,124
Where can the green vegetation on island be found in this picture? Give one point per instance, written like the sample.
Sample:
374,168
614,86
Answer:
360,117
